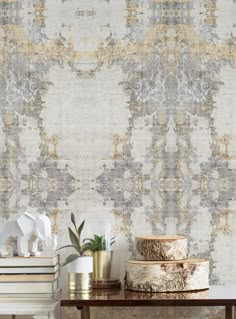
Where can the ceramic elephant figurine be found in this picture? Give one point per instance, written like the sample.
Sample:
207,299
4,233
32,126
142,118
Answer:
24,231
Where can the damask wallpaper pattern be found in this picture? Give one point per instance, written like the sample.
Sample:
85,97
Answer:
123,111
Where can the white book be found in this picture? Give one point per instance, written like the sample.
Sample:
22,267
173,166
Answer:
29,277
17,261
35,296
29,270
28,287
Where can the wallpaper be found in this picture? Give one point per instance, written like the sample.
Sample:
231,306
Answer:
124,112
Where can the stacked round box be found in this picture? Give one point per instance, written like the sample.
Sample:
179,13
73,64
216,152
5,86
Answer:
161,265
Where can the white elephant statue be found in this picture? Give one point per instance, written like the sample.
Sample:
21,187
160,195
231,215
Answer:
23,232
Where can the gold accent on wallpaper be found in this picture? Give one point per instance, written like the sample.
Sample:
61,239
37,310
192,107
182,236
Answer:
119,144
138,184
39,10
132,17
53,215
203,184
51,144
208,106
223,225
179,118
3,13
119,49
220,50
223,144
210,14
122,226
33,184
51,49
117,212
162,118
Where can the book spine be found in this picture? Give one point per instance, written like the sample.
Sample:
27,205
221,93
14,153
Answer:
30,261
29,270
29,288
29,277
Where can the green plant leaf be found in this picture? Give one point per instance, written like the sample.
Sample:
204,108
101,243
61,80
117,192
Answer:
98,238
73,220
80,228
86,247
99,243
74,239
112,243
65,247
87,239
70,258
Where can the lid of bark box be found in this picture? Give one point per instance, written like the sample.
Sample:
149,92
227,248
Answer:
161,237
159,262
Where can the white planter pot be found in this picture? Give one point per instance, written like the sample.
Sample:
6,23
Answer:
80,274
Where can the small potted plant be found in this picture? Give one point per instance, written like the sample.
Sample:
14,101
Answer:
80,266
102,255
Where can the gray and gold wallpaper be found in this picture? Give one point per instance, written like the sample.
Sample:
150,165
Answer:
123,111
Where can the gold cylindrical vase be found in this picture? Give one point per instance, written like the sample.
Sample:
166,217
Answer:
102,261
80,282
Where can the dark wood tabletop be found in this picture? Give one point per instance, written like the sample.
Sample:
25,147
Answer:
215,296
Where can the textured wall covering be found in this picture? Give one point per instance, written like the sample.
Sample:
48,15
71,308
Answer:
123,110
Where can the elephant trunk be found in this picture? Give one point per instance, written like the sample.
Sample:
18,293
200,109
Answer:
50,243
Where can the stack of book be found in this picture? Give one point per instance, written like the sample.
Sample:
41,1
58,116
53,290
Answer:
33,275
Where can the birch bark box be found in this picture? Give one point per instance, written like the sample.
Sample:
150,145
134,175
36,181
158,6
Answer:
167,276
160,248
200,294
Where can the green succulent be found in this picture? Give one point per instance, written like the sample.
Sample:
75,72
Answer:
98,243
75,238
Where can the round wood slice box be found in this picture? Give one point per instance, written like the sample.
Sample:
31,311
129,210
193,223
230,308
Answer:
160,247
167,276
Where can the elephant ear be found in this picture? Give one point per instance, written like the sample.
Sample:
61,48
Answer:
25,223
42,227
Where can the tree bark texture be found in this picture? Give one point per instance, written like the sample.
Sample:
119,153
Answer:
161,248
167,276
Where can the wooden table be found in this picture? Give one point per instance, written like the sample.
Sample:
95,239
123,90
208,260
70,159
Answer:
215,296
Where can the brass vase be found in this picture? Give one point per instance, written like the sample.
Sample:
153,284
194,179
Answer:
102,260
80,274
80,282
